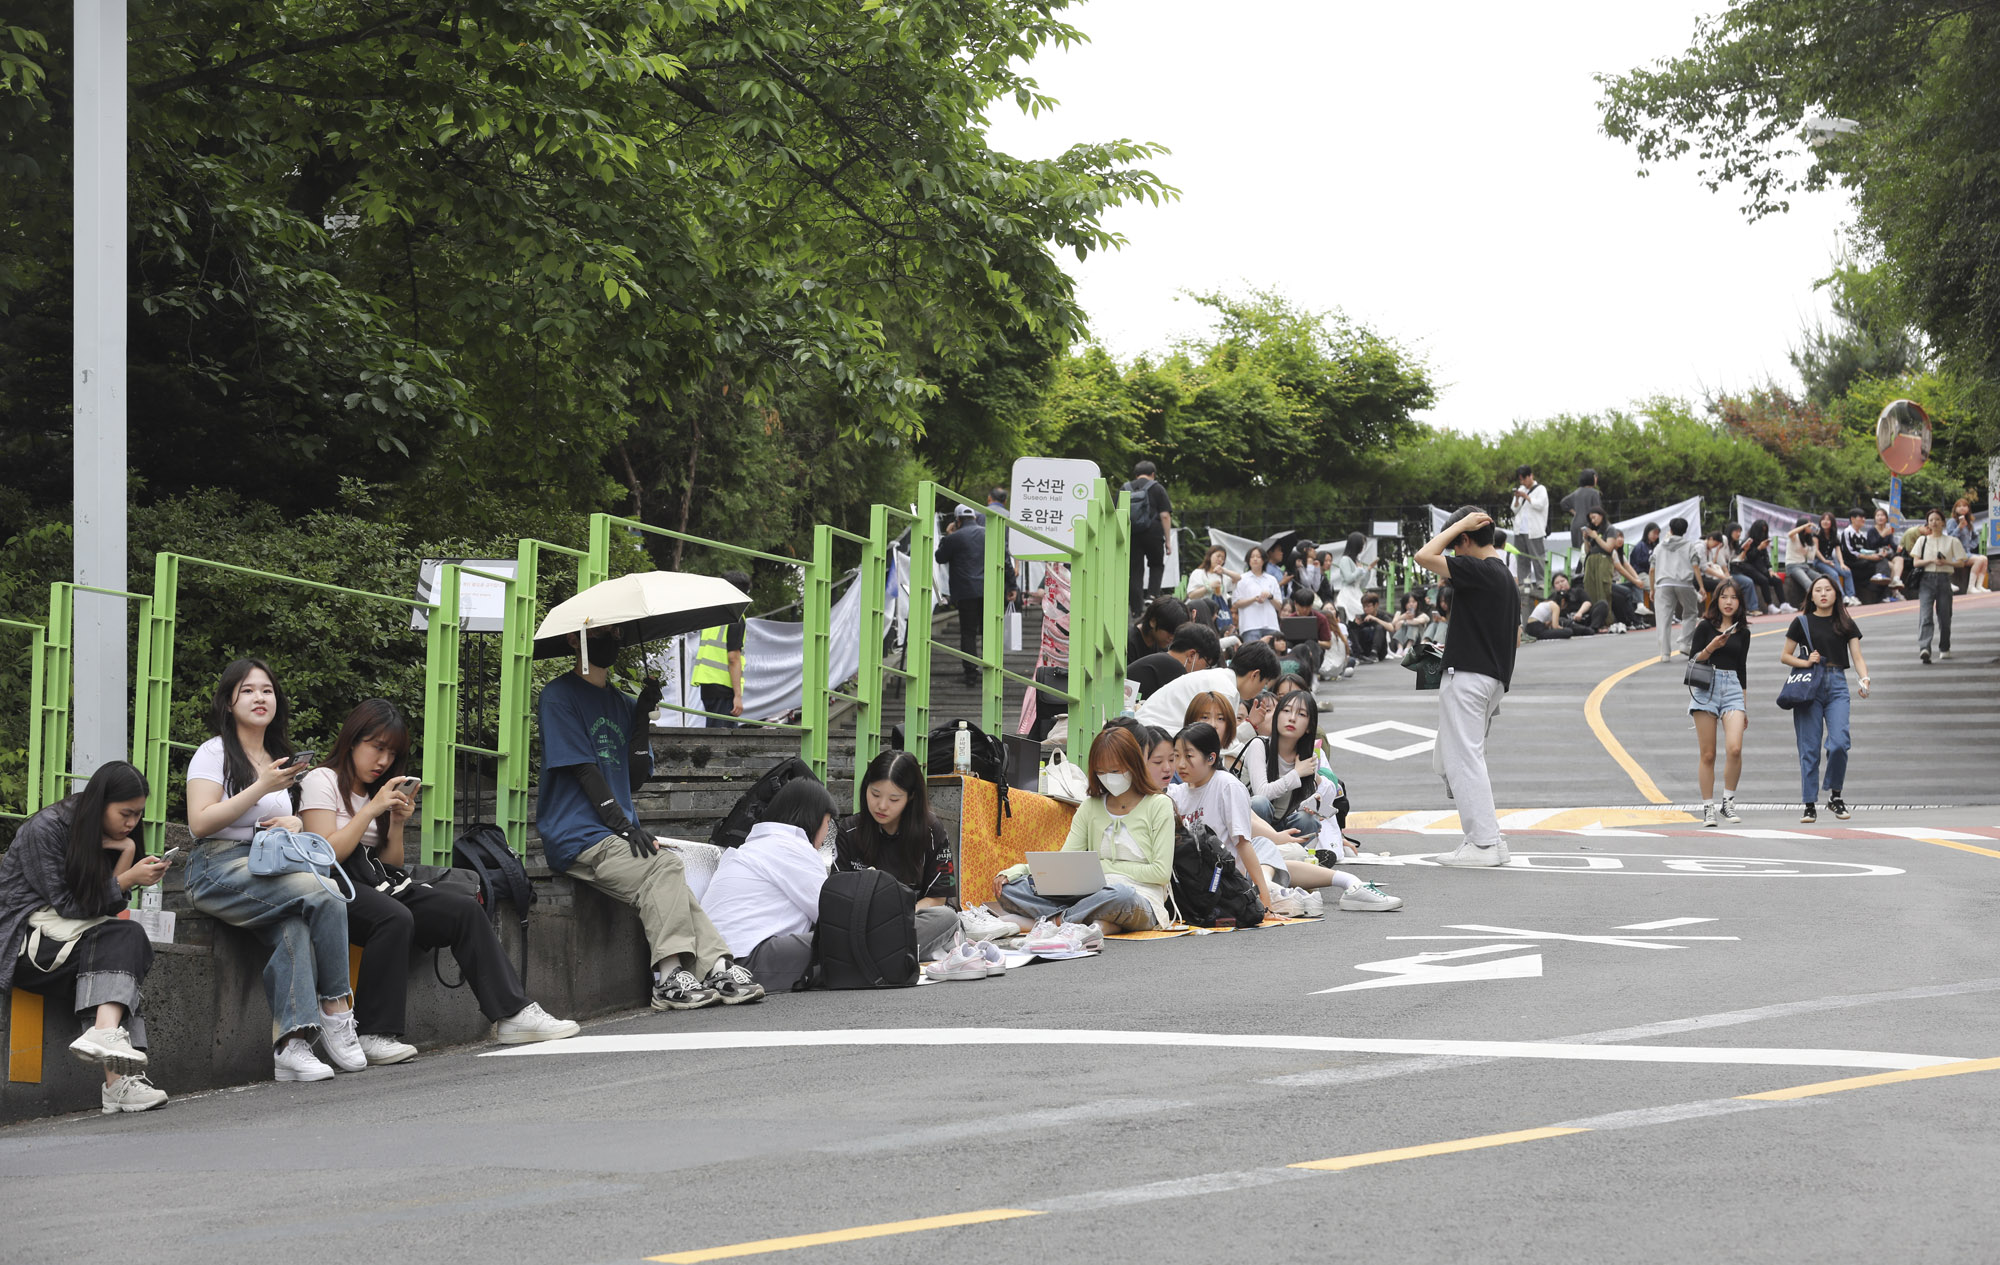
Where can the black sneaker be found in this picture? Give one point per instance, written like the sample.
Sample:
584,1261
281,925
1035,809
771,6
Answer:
1326,857
1924,655
1810,816
680,990
1838,806
733,984
1729,811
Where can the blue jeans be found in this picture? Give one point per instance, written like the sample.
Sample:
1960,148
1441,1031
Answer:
1838,574
1302,821
1114,903
1827,717
305,927
1746,589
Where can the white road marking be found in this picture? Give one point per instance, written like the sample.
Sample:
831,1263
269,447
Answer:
1922,832
1052,1119
1772,834
1350,740
1679,1111
1177,1188
1662,924
1420,823
1429,968
1515,933
683,1042
1668,865
1598,830
1325,1076
1528,818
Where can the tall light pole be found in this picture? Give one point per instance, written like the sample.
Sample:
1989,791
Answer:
98,164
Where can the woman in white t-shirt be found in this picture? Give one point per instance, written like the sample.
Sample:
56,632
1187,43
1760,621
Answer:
1212,578
1255,599
1288,791
359,801
241,781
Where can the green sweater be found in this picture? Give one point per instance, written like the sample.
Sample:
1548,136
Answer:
1141,853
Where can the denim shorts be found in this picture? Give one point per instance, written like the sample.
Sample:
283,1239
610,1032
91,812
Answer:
1726,695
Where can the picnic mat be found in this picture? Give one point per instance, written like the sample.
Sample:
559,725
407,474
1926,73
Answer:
1180,929
1037,824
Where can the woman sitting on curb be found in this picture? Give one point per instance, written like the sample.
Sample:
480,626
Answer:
359,801
73,861
240,781
1131,827
896,833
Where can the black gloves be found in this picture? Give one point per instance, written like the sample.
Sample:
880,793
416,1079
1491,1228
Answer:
608,812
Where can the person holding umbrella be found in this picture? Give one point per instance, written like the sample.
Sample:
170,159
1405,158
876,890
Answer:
596,751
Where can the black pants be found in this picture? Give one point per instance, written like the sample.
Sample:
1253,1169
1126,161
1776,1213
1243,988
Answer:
1149,563
388,928
719,699
106,964
971,618
1367,640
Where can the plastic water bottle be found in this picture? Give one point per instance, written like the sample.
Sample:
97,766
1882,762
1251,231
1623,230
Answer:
961,749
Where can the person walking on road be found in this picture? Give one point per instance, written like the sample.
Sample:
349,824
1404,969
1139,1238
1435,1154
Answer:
1824,635
1676,587
1937,556
1478,668
1721,639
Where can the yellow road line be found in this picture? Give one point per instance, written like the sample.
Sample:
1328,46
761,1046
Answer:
1883,1078
761,1246
1962,847
1366,1158
1593,712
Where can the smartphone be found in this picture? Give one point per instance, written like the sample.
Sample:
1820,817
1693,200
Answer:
171,855
410,783
303,757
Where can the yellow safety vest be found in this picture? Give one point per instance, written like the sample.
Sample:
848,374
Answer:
711,661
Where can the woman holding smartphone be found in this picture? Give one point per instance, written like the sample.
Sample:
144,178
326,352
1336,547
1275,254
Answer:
75,859
240,781
1722,640
359,801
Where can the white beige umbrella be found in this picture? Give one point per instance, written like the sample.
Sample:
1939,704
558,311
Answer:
647,606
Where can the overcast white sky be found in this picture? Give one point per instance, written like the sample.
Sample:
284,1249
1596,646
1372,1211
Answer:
1437,172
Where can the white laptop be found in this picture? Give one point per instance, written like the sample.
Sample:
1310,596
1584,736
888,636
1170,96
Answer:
1065,874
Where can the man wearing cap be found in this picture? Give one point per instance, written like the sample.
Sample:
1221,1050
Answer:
963,553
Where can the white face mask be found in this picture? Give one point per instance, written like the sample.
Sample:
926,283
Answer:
1115,784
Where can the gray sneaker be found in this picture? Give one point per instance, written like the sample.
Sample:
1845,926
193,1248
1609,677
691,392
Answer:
130,1093
680,990
733,984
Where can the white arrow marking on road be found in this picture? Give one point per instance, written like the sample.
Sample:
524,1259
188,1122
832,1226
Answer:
1663,924
1516,933
1598,829
1428,968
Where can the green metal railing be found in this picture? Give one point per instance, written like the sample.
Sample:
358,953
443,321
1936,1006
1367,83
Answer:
517,685
31,792
52,709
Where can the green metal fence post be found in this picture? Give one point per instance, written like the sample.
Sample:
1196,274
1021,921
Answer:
441,720
595,567
156,680
993,638
31,781
917,656
52,707
517,667
815,693
869,684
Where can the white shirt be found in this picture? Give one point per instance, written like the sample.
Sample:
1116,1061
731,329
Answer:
1167,708
1222,804
1532,517
1210,583
209,764
768,886
1261,590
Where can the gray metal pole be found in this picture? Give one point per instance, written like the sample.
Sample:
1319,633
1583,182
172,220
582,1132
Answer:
98,353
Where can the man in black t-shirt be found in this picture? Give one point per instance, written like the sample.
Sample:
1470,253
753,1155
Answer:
1152,519
1478,668
1194,649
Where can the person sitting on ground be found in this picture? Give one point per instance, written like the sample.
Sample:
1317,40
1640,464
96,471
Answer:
239,782
359,801
1368,632
1250,672
1441,616
764,897
1547,622
1628,590
75,860
1406,627
595,752
1717,567
896,833
1578,611
1306,656
1130,826
1193,649
1155,629
1966,533
1215,711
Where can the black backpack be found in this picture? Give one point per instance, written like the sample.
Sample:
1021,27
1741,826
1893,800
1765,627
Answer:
989,759
749,807
1145,521
866,936
483,850
1208,885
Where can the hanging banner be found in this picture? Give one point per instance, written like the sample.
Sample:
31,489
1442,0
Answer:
482,603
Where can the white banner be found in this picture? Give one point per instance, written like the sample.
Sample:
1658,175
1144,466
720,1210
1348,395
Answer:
1237,548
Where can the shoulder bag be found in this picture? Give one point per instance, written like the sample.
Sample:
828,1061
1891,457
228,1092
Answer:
47,924
275,850
1802,686
1426,659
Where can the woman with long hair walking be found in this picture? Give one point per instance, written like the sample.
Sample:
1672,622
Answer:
1722,641
1824,635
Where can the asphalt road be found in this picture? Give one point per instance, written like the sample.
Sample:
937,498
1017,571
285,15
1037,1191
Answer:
1568,1086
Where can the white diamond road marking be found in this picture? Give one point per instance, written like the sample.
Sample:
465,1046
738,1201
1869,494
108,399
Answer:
1349,740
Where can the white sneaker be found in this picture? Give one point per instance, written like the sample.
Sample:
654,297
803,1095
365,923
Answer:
296,1062
1944,654
533,1024
1469,855
979,923
112,1048
131,1093
964,962
1368,898
379,1049
1314,902
1288,902
1050,939
1708,816
343,1046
